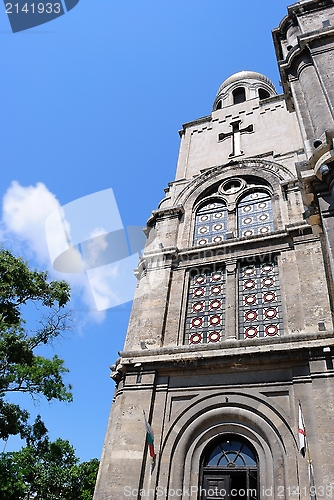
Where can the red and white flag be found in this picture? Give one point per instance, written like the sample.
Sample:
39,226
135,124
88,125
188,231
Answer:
301,432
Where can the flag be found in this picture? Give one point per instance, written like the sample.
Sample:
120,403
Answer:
150,438
301,432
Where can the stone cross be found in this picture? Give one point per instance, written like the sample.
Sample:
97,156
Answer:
236,137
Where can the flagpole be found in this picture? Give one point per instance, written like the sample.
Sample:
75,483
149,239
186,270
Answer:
308,458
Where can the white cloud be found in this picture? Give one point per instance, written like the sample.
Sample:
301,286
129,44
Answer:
113,284
24,212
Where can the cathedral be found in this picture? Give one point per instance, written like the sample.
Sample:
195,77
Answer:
224,388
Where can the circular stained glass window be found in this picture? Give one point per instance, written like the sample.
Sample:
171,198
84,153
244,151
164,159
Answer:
250,299
203,230
232,186
197,322
202,242
215,304
248,233
264,230
215,290
216,277
270,313
269,297
271,330
267,282
198,292
249,284
214,337
218,215
203,218
214,320
250,315
267,268
249,271
247,221
195,339
251,332
200,279
218,227
199,306
247,208
217,239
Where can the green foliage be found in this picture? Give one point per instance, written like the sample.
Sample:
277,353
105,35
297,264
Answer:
21,369
47,470
83,480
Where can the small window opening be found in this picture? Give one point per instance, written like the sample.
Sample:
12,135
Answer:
326,23
239,95
263,94
219,104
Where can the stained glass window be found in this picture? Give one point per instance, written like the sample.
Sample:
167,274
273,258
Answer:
210,224
255,215
231,453
206,308
260,313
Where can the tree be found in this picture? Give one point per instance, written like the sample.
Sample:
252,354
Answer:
21,369
46,470
83,480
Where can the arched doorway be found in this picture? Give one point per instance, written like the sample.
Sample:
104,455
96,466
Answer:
229,470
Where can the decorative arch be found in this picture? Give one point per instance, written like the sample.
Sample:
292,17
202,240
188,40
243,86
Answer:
272,172
259,422
272,175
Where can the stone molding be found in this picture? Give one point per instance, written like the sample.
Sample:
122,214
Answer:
281,172
288,343
165,213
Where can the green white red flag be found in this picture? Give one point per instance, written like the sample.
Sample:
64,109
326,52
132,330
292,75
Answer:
149,438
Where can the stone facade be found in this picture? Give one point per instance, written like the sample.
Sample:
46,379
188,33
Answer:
231,330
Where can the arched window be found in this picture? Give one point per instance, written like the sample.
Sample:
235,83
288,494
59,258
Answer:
263,94
239,95
255,215
210,224
230,468
219,104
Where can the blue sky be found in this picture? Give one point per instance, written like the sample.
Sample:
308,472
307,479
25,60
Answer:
93,100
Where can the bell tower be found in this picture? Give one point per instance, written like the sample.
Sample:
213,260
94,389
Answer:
230,341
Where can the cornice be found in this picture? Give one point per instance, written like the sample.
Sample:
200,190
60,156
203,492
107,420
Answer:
199,121
165,213
227,350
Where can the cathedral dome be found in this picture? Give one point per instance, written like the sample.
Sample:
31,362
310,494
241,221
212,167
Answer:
243,86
